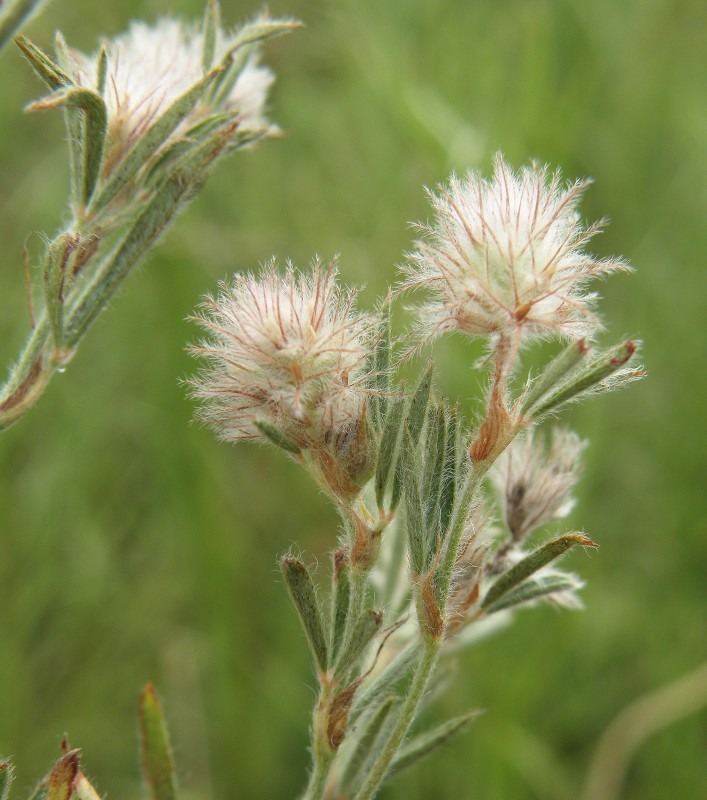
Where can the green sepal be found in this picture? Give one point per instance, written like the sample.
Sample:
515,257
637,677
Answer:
91,131
519,572
102,70
153,138
593,375
554,371
424,743
414,512
341,593
155,749
418,405
212,24
301,589
388,448
47,70
277,437
7,775
60,784
366,627
535,589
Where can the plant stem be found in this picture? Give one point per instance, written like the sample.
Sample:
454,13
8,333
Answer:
318,778
322,752
379,768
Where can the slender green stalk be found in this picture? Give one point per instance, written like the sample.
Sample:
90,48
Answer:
379,768
322,752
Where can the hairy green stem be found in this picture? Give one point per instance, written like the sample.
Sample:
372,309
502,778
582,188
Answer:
322,752
379,768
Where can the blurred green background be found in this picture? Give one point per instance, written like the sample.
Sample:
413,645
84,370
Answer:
134,547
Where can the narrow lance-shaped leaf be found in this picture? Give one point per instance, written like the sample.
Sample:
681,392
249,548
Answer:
212,24
589,377
277,437
388,448
558,368
366,738
299,583
49,72
55,269
341,592
433,480
102,70
424,743
365,629
449,474
380,368
414,514
92,133
7,774
536,589
418,405
532,563
61,778
156,751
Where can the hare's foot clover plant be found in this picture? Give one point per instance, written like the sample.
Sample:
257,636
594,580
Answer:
149,115
436,511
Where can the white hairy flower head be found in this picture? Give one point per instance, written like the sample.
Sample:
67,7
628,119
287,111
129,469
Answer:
288,350
148,67
506,256
533,479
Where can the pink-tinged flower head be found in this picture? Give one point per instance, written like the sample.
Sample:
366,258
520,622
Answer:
534,479
289,350
506,256
148,67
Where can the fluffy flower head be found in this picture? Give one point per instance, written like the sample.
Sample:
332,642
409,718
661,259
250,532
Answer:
506,256
287,349
150,66
533,480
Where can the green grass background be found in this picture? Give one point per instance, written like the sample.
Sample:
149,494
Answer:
134,547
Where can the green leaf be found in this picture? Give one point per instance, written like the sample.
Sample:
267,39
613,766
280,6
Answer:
7,774
49,72
153,138
418,405
388,448
277,437
448,484
299,583
341,593
414,512
155,749
91,131
535,589
61,778
558,368
362,634
102,70
434,463
532,563
380,368
594,375
212,24
55,268
424,743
